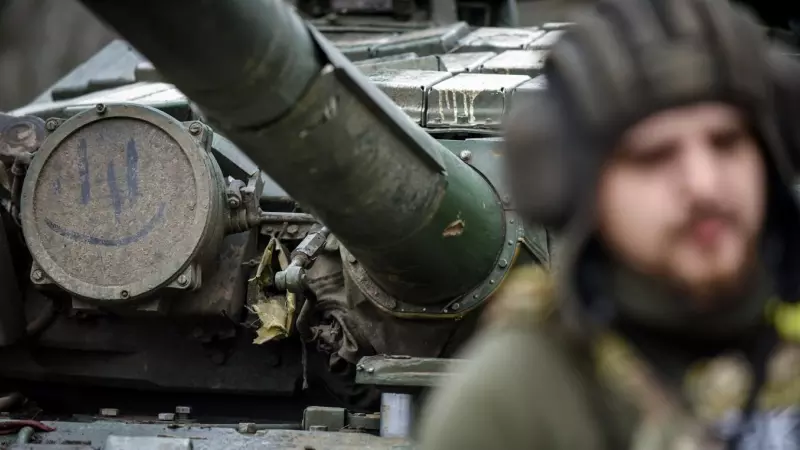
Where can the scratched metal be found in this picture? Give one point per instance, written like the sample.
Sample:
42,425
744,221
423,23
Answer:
527,91
108,190
425,42
471,100
516,62
546,41
408,88
490,39
465,62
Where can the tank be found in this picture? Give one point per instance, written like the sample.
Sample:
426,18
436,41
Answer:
232,231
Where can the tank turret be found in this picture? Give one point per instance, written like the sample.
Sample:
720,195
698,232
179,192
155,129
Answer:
233,210
424,226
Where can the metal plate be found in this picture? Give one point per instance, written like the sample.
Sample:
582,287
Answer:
407,88
116,204
516,62
547,41
156,95
490,39
393,370
424,63
425,42
471,100
528,90
465,62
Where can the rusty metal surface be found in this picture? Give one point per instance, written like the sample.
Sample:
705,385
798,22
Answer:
409,89
516,62
471,100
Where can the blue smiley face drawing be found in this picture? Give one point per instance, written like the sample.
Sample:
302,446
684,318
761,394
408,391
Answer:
113,200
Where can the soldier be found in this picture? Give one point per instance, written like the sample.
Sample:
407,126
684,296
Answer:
671,321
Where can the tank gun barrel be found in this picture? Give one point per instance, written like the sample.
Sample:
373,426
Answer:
422,223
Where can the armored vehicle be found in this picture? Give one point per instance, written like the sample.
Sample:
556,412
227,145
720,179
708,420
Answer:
230,231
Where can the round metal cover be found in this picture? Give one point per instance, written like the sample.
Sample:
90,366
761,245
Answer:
116,202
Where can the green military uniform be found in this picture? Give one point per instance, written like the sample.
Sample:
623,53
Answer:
602,357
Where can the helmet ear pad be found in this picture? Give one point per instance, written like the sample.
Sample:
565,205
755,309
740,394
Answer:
538,168
785,71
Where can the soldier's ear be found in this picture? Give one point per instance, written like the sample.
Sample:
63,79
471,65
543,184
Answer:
784,69
537,164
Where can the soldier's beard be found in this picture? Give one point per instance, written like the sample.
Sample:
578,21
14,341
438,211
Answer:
712,288
719,304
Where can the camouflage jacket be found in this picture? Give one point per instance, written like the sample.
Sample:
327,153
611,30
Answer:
529,384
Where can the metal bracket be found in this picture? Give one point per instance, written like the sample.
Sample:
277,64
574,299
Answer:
244,209
293,278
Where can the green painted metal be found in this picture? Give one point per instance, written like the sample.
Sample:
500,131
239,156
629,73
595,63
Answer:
427,226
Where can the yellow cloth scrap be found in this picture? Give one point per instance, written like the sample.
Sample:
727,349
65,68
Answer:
276,312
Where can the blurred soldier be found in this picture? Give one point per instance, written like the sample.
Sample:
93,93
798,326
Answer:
671,323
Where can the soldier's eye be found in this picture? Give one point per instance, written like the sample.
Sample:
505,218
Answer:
729,139
650,156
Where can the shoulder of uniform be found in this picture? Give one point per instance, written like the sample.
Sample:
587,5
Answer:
526,296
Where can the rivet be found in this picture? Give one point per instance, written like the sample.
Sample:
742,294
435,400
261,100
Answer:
371,370
195,128
292,229
183,280
474,295
351,259
456,306
511,221
503,263
510,242
491,281
465,155
124,294
51,124
359,367
100,108
38,275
